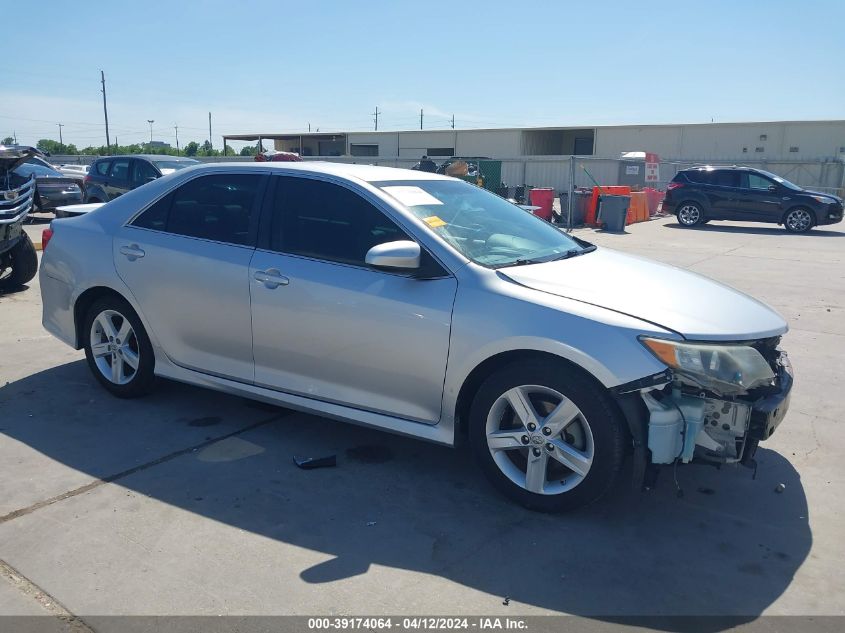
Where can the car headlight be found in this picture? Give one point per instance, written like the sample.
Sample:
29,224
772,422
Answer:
725,369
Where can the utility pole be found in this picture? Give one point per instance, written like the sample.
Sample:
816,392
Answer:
176,127
421,118
453,121
210,144
376,113
309,128
105,109
60,133
150,121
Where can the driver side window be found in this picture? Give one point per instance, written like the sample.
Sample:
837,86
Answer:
325,221
142,171
757,182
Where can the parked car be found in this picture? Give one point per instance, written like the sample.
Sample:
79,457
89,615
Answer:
112,176
76,172
18,259
272,156
77,209
423,305
52,188
700,194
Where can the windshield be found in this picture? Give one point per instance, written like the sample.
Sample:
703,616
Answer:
169,166
483,227
782,181
40,171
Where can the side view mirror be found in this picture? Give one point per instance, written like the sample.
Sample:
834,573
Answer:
400,254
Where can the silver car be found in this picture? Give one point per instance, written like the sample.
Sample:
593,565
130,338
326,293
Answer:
423,305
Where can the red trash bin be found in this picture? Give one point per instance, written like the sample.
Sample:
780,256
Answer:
544,198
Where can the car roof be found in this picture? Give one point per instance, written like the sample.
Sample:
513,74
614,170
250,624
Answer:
712,167
367,173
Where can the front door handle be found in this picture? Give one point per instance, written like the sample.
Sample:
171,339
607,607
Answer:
271,278
132,252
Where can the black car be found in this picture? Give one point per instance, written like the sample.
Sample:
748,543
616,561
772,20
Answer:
52,187
112,176
701,194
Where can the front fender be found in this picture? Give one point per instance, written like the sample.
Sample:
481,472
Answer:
515,319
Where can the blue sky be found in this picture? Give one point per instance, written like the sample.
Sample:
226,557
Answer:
279,65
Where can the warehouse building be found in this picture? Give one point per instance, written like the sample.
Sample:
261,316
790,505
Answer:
774,140
810,153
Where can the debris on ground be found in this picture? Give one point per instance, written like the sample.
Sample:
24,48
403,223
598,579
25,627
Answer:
310,463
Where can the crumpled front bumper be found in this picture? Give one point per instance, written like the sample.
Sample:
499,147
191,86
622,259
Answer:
686,423
768,412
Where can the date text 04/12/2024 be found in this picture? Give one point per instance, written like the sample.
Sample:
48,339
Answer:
417,623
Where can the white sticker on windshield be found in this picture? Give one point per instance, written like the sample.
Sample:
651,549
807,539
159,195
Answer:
412,196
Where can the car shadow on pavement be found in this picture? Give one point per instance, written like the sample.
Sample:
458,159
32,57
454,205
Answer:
729,546
11,290
754,230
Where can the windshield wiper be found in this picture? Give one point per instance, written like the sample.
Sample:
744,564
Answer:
573,253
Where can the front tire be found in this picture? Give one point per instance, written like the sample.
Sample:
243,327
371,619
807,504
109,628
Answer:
690,214
799,220
117,348
23,261
546,436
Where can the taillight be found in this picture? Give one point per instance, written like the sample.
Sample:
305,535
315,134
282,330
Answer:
674,185
46,234
87,179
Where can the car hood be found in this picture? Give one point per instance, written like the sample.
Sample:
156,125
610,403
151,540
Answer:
825,195
13,155
692,305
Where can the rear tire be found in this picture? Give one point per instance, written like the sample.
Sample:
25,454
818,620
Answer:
546,436
117,348
799,220
690,214
23,262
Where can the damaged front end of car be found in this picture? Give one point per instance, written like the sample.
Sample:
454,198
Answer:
714,404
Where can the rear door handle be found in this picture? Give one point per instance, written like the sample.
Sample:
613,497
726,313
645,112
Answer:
271,278
132,252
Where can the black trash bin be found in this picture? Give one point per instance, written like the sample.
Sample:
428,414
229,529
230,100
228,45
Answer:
613,211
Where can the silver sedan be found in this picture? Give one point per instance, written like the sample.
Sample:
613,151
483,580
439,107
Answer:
422,305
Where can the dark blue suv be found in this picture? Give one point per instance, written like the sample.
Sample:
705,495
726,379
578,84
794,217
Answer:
701,194
111,176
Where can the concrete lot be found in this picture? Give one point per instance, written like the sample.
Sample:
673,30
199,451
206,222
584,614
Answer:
187,502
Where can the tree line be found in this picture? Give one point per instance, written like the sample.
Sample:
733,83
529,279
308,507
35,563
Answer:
50,146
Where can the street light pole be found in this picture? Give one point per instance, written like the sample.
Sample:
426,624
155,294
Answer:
61,142
150,121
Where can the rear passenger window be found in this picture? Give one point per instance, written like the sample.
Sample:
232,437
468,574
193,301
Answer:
120,169
156,216
103,167
326,221
220,208
724,178
698,176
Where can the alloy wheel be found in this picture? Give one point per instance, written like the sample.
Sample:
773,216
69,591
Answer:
799,220
689,214
114,346
539,439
